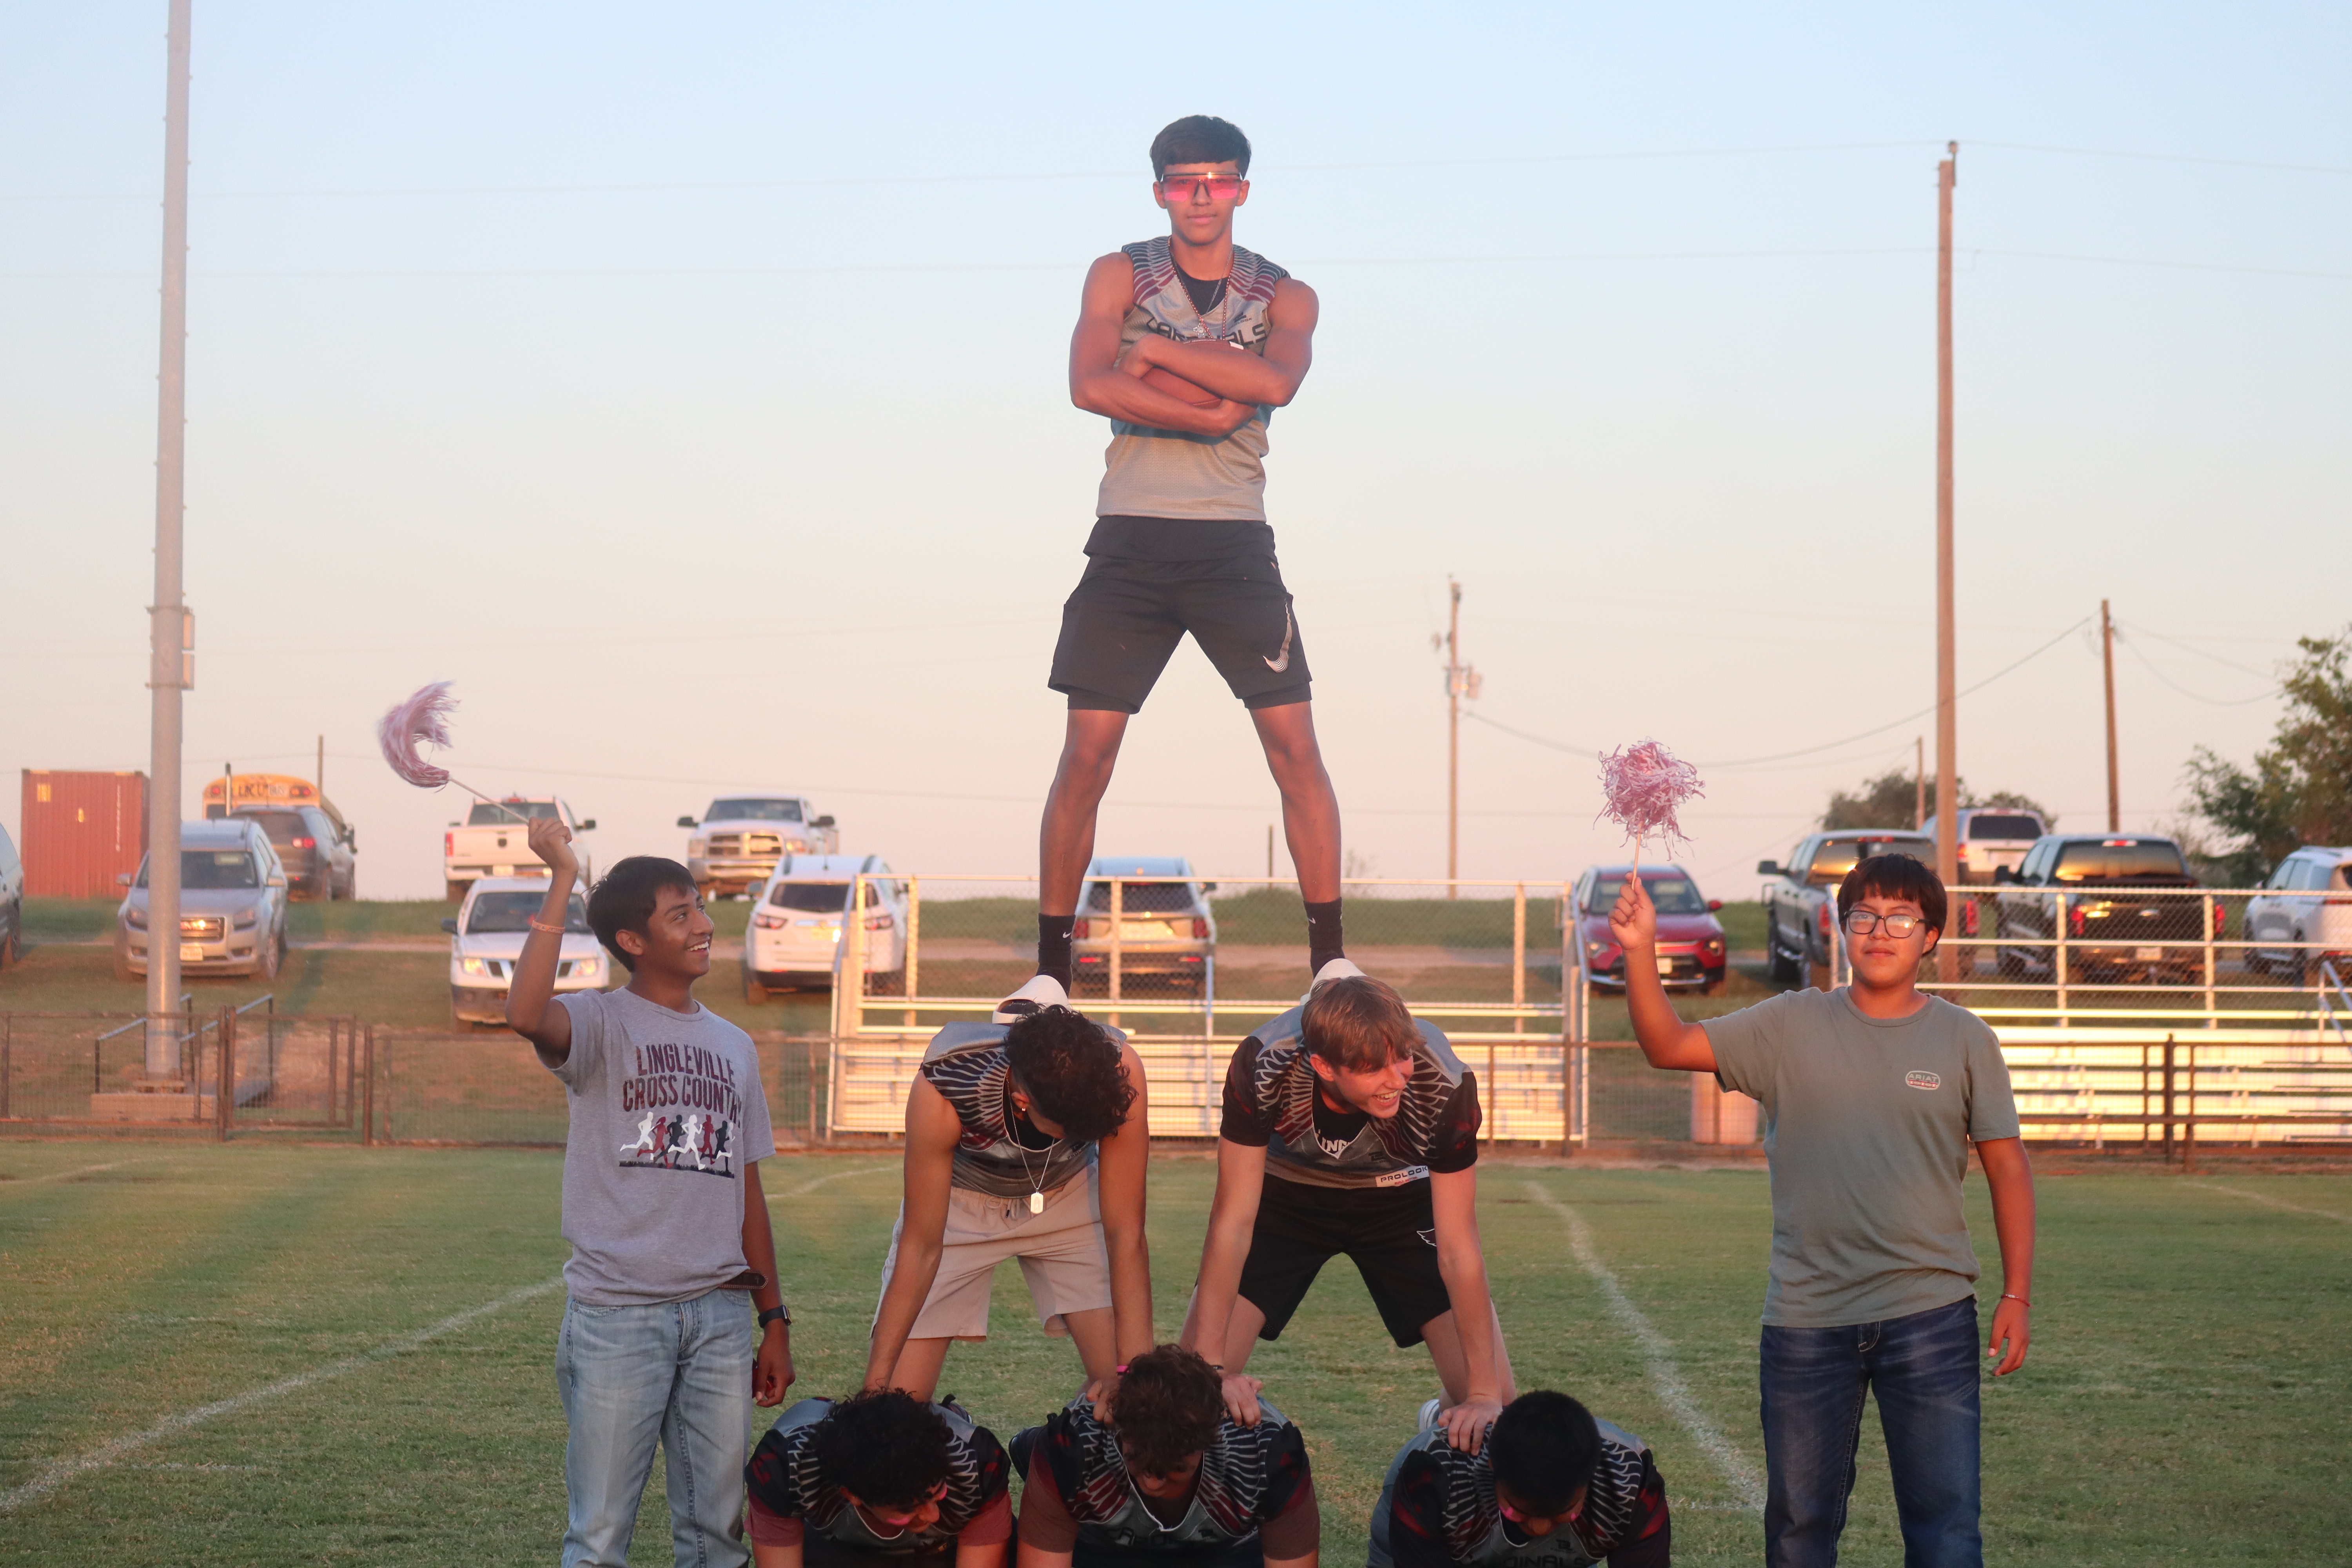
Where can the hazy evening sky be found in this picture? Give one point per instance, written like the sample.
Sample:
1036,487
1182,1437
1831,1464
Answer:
687,383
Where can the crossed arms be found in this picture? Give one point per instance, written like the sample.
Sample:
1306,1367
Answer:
1101,382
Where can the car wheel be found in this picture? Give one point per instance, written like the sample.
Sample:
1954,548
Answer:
267,962
1782,967
752,990
457,1023
1716,981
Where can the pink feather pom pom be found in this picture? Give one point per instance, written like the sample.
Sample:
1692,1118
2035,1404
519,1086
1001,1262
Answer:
422,719
1642,786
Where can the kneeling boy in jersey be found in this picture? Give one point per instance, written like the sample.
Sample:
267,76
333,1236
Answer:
1169,1481
1553,1489
1025,1141
879,1481
1872,1094
1350,1127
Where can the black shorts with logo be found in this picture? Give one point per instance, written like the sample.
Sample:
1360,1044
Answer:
1148,581
1390,1234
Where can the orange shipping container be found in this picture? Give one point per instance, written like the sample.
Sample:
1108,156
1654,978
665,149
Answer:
81,831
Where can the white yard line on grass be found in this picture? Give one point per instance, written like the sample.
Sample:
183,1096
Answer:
2278,1202
77,1171
1658,1350
113,1453
837,1175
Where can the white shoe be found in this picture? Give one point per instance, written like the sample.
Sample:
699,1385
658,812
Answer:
1428,1414
1337,969
1041,992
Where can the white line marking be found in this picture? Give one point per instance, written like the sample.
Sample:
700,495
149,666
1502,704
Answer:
1665,1377
77,1171
2278,1202
837,1175
107,1454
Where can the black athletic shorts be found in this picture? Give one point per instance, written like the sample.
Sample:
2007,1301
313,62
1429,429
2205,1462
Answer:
1389,1233
1149,580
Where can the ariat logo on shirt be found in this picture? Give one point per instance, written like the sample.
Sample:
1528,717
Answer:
1919,1078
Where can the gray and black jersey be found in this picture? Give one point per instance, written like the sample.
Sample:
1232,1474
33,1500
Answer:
967,1064
1271,1102
1438,1509
1250,1477
786,1479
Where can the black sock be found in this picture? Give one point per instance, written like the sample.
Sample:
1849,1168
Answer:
1054,946
1323,944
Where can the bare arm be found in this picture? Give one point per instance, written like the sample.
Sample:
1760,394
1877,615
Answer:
1232,1217
1121,1161
1462,1262
531,994
931,1132
989,1556
1100,385
2010,1174
1273,379
1032,1555
771,1365
767,1555
1665,1039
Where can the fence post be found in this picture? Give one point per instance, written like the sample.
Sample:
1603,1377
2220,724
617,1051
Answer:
224,1096
1117,941
2189,1124
2167,1099
1519,959
2206,901
8,1057
812,1089
2058,973
1494,1096
367,1089
909,979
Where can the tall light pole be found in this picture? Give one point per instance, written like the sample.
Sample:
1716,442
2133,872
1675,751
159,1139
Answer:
1461,681
170,636
1947,717
2107,651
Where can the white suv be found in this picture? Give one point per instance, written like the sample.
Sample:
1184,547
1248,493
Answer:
486,938
796,922
1991,836
2307,901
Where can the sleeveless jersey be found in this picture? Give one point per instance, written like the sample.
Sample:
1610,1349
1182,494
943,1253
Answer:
1148,472
786,1478
1270,1101
1438,1504
966,1063
1248,1474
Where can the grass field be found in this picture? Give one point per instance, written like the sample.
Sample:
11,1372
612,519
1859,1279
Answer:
228,1355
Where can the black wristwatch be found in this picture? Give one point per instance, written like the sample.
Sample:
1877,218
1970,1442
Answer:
775,1315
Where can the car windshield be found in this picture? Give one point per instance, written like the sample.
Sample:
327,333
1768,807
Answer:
507,813
815,898
214,869
1836,857
1985,824
2118,860
1141,898
1673,895
496,914
753,811
283,826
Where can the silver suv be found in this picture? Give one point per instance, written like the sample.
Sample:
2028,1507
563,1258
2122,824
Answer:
232,904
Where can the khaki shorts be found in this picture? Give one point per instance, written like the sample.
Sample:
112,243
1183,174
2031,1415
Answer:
1061,1252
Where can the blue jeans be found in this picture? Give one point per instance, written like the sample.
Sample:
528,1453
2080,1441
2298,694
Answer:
679,1373
1923,1370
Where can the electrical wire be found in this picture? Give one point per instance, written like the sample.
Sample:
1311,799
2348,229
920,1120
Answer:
2186,648
2192,696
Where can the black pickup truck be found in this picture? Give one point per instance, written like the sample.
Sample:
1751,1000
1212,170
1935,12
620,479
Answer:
2125,902
1800,903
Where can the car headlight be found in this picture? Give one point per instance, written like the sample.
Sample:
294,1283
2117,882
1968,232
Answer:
1595,949
473,966
588,968
244,918
135,917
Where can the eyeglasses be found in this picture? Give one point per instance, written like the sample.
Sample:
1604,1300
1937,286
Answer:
1861,922
1179,188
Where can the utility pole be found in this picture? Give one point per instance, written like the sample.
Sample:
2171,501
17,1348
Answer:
1947,717
319,778
1461,681
171,630
2107,649
1919,779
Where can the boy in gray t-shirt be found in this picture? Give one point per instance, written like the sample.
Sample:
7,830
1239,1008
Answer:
1872,1095
662,1208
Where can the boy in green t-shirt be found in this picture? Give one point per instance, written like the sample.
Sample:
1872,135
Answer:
1872,1095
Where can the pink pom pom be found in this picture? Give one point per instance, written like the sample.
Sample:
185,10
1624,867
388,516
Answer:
422,719
1642,786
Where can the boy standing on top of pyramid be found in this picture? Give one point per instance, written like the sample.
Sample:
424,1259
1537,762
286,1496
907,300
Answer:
1188,342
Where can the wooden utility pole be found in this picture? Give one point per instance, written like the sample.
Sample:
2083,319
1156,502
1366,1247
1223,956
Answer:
319,778
1453,736
1947,717
170,636
2107,651
1919,779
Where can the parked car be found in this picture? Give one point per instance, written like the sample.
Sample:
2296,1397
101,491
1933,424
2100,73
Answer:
1990,837
492,841
1167,937
486,938
737,843
2306,905
232,904
795,926
12,902
1691,952
1800,903
2100,889
320,853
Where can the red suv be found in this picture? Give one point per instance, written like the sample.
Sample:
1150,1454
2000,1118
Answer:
1691,955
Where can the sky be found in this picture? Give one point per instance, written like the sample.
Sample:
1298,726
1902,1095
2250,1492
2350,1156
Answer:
687,383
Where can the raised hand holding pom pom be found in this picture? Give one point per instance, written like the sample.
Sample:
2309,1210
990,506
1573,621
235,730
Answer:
1641,788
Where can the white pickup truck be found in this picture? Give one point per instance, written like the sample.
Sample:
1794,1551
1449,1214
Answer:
491,841
736,845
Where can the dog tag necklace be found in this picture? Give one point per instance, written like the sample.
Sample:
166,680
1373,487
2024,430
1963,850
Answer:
1036,1181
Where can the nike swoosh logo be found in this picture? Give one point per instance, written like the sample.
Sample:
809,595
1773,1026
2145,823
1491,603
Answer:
1281,661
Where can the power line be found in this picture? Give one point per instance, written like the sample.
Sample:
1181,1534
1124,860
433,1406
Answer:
2195,697
2165,157
2185,648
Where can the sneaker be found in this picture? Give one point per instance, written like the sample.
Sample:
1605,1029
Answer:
1428,1414
1335,969
1041,992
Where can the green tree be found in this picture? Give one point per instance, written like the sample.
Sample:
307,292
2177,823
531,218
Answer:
1891,799
2299,789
